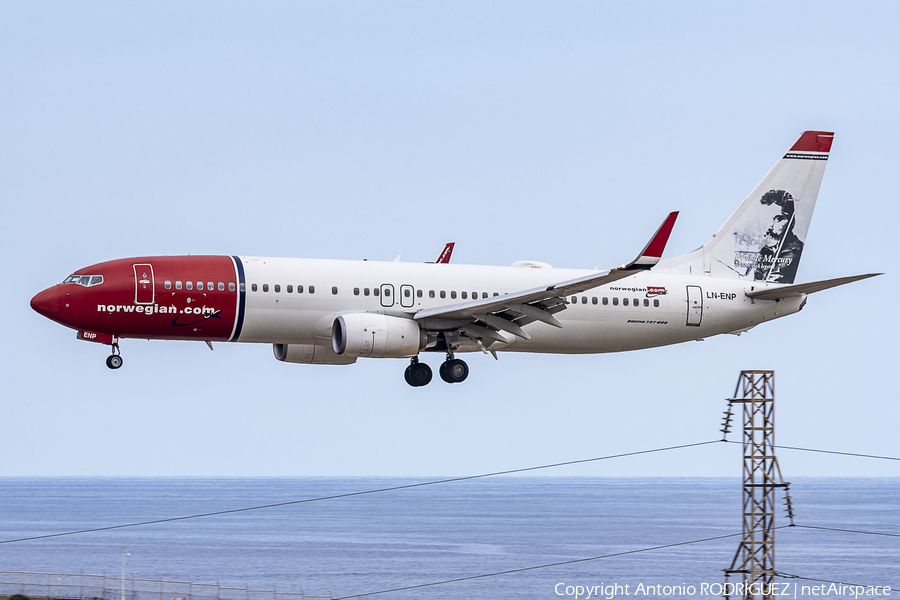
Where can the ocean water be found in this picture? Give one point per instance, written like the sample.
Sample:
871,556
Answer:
363,544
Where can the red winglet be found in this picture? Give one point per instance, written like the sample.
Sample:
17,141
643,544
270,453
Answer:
656,246
444,258
814,141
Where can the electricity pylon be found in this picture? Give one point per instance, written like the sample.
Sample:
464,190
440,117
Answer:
755,557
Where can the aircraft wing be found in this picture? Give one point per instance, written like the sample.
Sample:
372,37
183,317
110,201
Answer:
509,312
787,291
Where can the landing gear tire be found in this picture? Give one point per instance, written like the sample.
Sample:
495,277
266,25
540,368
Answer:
114,361
454,371
418,374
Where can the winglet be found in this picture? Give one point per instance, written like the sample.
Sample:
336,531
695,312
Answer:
444,257
653,251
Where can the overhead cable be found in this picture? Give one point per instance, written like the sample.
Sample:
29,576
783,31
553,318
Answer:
536,567
897,535
593,558
825,451
351,494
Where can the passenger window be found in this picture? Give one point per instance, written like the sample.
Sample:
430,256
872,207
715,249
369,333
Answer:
231,286
443,294
484,294
375,291
453,295
615,301
200,286
584,299
334,290
243,287
177,285
646,302
464,295
431,293
474,295
312,289
636,301
365,291
277,288
496,293
210,286
356,291
189,285
624,301
655,303
290,289
419,293
168,285
221,287
265,287
605,301
594,300
253,287
574,300
299,289
406,293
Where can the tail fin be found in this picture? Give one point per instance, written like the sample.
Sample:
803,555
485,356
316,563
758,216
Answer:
764,238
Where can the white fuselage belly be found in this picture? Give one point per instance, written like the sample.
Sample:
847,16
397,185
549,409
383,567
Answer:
305,318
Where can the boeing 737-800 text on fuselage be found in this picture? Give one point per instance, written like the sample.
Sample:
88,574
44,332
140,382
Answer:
335,311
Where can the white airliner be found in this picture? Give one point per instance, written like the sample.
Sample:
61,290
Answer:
336,311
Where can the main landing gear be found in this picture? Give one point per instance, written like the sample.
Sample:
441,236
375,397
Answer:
114,360
453,370
417,374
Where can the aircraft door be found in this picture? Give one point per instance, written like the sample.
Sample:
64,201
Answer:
387,295
407,296
694,305
143,284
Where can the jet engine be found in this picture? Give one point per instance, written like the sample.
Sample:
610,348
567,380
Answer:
376,335
310,354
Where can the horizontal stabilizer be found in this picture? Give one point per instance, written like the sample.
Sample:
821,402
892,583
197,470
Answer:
789,291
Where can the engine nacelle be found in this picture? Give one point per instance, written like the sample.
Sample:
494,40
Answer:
310,354
376,335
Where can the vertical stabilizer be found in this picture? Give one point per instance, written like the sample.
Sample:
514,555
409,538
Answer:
764,238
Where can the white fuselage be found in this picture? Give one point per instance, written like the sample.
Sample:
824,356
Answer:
641,311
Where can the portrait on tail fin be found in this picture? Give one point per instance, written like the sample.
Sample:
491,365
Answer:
780,255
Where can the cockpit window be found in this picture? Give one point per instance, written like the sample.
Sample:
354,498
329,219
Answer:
85,280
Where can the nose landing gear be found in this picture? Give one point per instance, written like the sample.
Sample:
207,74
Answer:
114,360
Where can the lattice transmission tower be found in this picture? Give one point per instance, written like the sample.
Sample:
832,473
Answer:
755,557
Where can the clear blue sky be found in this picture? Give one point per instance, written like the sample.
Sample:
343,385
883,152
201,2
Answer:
559,132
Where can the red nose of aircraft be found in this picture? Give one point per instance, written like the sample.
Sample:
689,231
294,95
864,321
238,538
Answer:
47,302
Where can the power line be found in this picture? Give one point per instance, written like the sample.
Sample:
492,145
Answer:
897,535
536,567
826,451
790,576
351,494
580,560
